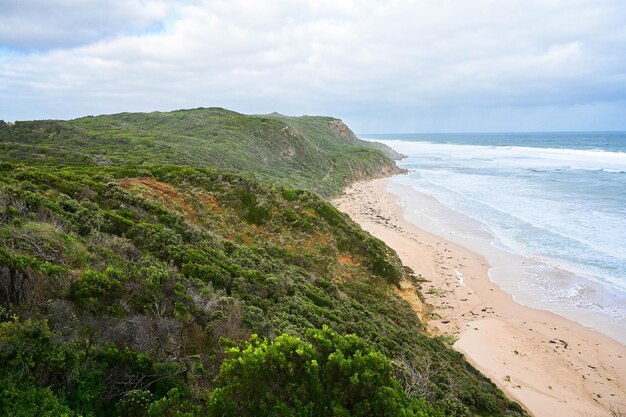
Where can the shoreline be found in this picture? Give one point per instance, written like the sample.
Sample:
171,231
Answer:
540,359
531,282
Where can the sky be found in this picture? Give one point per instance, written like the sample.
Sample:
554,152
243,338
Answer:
381,66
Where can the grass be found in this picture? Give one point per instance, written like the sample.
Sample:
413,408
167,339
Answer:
438,292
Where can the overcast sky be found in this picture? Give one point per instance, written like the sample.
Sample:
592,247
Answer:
382,66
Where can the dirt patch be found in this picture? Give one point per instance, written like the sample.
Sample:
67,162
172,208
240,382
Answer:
409,294
347,260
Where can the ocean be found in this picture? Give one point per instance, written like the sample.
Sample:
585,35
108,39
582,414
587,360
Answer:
547,210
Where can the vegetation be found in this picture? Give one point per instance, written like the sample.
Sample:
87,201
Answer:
315,153
317,129
170,290
332,375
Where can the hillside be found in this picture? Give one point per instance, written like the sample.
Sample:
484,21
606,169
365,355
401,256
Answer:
316,153
125,280
137,286
317,129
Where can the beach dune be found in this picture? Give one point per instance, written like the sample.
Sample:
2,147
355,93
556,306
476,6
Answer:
551,365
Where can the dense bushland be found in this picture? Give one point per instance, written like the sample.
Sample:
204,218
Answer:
136,291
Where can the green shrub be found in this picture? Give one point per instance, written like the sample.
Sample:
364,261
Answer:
94,287
330,214
289,194
332,375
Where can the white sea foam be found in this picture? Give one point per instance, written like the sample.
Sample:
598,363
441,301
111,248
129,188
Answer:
459,276
519,156
561,209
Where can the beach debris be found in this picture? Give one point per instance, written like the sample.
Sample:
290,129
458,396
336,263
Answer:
561,341
459,276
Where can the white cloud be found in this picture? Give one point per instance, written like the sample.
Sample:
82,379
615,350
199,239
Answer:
361,59
41,24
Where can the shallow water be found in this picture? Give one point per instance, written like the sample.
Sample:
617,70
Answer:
547,210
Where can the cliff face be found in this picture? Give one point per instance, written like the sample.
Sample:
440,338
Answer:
339,128
317,153
389,152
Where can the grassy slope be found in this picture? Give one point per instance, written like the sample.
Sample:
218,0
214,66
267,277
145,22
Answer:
297,152
316,128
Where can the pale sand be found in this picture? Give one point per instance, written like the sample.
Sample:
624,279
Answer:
551,365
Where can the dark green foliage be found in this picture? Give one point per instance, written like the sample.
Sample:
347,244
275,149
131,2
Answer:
128,277
257,213
330,375
330,214
290,195
43,375
97,287
20,274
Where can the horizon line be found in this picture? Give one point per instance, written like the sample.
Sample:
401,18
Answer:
492,132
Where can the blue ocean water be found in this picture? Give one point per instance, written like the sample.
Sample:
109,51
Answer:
556,198
607,141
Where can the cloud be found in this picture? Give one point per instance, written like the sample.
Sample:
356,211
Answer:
43,24
364,59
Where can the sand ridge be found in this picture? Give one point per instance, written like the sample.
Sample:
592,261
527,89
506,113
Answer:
551,365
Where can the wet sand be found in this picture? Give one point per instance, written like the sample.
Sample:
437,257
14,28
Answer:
551,365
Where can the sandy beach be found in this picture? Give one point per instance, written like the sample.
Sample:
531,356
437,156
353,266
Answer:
551,365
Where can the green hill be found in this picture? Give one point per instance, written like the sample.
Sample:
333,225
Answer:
136,286
315,153
330,132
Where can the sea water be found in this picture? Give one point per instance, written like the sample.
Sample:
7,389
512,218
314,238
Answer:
552,207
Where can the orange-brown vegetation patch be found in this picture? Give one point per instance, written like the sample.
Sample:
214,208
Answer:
306,244
315,240
162,192
248,240
346,259
162,187
169,196
250,235
207,200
